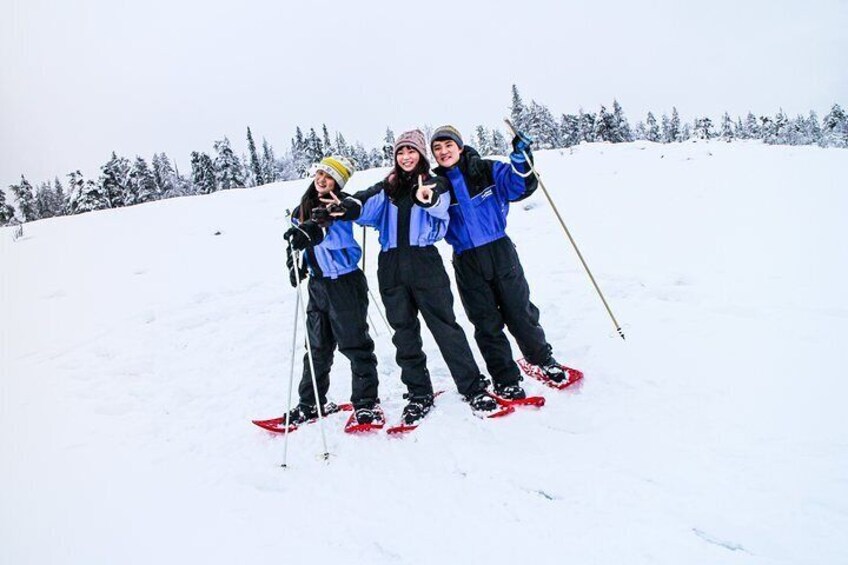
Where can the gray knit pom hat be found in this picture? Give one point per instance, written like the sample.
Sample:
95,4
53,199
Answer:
413,138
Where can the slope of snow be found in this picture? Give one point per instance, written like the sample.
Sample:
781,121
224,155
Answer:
137,344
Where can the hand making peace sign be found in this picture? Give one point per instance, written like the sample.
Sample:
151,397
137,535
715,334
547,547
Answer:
333,205
425,192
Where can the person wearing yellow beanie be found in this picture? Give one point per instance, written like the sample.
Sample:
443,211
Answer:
338,297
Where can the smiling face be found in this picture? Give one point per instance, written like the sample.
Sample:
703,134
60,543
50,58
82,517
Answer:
407,158
447,152
324,183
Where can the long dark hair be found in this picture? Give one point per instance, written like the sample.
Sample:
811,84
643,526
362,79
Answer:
400,183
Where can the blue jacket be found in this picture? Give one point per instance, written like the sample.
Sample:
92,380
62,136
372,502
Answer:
481,191
426,225
338,254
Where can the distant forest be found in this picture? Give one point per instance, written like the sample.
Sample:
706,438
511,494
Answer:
125,182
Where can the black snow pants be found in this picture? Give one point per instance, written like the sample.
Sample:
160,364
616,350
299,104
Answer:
412,280
337,315
495,293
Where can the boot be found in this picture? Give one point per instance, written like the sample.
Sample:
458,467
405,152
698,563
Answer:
302,413
370,414
416,408
553,370
510,392
482,402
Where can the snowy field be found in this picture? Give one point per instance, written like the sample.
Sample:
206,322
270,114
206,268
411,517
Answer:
138,344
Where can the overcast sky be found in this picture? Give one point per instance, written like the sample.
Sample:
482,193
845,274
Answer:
79,79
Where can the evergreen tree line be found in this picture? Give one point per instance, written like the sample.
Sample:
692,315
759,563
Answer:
123,182
612,126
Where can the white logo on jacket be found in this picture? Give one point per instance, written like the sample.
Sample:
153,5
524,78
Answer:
486,193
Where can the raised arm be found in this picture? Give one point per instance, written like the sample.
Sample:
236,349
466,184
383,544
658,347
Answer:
367,205
516,180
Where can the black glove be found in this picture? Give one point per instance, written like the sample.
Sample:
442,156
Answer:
307,234
350,209
321,216
442,184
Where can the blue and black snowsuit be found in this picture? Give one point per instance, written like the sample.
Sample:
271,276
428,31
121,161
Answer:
413,279
489,275
336,315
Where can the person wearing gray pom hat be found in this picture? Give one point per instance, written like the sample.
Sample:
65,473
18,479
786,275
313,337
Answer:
409,209
415,139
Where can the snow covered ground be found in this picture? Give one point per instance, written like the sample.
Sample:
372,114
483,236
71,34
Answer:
138,344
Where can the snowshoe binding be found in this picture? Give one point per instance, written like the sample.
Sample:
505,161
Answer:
484,405
414,411
301,415
551,373
366,418
514,395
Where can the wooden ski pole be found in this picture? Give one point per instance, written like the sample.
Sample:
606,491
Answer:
568,234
